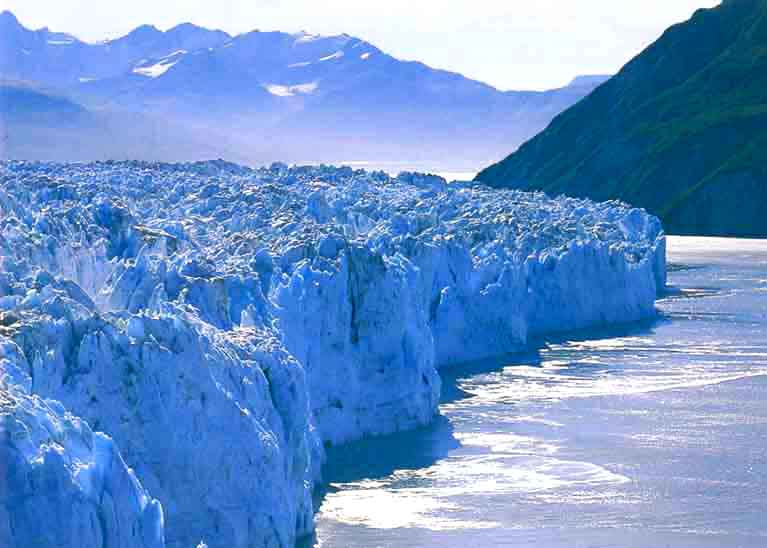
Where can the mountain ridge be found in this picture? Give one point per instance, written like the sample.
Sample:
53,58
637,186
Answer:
287,96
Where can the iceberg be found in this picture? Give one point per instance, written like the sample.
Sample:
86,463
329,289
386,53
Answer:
221,324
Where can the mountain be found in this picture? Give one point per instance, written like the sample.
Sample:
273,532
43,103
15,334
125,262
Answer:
61,60
23,103
34,118
39,124
265,96
681,130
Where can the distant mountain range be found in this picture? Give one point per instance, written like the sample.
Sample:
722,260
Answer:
680,130
261,96
40,124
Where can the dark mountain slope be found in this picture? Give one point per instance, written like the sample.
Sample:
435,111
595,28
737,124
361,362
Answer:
680,130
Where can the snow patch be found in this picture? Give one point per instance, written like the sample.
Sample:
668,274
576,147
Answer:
336,55
161,67
365,55
305,38
290,91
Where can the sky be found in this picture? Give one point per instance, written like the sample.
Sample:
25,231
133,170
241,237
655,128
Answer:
510,44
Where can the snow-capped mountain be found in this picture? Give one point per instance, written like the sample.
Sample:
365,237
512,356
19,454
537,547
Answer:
275,95
61,60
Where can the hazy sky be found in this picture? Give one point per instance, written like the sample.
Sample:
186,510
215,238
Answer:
511,44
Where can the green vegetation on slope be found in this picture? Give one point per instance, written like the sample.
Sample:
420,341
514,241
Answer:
681,130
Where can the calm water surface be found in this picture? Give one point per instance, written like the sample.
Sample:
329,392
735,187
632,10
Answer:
646,435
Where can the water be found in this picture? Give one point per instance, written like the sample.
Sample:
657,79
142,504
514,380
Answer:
642,435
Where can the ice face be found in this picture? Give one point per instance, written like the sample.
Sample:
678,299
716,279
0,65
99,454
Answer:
63,485
220,322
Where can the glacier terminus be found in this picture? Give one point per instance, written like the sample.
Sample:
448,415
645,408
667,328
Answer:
180,342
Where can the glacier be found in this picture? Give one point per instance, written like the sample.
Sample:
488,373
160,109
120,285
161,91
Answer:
61,484
214,326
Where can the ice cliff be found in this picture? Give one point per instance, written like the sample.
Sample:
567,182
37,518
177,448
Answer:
63,485
220,323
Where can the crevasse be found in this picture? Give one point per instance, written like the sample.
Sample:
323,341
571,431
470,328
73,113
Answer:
220,323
